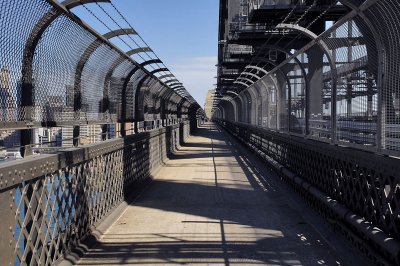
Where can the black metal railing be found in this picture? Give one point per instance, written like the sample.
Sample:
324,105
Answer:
357,191
50,204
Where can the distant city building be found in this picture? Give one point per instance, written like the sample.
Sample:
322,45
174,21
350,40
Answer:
10,96
66,136
209,103
47,136
10,138
9,99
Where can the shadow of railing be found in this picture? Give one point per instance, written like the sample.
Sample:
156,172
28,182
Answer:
284,239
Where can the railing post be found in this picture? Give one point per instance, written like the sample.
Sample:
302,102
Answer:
7,228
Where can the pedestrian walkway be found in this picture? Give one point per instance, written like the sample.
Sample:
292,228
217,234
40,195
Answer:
210,206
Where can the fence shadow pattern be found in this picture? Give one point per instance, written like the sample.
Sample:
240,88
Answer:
51,203
357,191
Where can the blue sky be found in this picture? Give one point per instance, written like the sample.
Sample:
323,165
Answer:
183,33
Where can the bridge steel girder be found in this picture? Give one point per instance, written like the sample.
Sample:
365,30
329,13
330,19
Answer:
332,62
313,37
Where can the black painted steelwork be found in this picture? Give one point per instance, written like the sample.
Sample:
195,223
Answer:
60,183
38,106
313,86
358,192
57,73
336,83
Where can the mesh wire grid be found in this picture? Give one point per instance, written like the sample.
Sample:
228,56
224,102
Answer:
343,97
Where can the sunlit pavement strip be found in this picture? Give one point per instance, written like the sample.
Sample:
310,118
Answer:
206,207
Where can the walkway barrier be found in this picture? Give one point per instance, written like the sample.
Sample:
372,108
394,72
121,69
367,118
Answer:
357,191
50,204
58,73
338,84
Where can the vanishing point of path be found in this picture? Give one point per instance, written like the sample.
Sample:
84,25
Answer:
210,206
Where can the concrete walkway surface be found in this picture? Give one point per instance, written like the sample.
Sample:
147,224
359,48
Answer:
210,205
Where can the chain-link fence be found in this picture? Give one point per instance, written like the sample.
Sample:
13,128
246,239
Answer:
59,75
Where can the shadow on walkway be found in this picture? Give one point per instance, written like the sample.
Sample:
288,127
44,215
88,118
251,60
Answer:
210,205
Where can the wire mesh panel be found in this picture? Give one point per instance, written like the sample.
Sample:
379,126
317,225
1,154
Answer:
253,116
264,103
62,197
244,108
25,14
343,85
93,76
54,70
158,92
385,20
116,83
297,88
356,95
54,66
131,93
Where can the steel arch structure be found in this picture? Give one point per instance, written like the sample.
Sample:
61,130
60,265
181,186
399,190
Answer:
330,85
60,76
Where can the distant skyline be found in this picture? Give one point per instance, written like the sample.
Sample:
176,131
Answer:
183,33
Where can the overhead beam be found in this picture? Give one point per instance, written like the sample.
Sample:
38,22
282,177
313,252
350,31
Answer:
119,32
241,83
171,80
139,50
159,70
245,79
149,62
175,84
258,68
166,76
